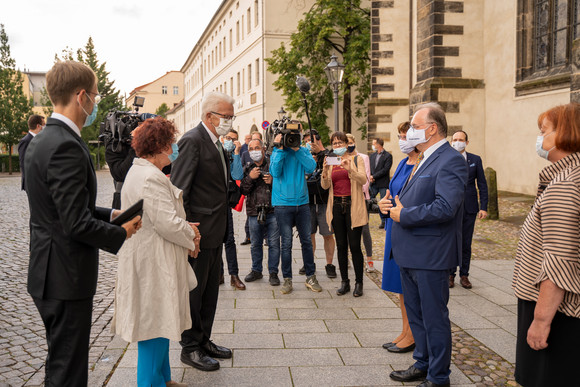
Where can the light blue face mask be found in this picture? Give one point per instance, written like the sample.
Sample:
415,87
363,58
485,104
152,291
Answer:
339,151
173,156
308,146
229,145
91,117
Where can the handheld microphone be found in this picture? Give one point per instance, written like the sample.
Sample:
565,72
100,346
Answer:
304,87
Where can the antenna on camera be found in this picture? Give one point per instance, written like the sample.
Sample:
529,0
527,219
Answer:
304,87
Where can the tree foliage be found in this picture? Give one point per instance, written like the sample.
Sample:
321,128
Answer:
111,100
15,107
162,110
330,26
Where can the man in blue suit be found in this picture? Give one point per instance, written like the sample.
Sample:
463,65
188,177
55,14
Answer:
471,208
426,243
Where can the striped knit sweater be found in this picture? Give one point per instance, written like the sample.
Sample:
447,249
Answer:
549,246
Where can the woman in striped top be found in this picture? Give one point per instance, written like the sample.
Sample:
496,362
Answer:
547,268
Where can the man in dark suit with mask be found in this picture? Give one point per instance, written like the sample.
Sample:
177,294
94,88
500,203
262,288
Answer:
202,172
66,228
35,125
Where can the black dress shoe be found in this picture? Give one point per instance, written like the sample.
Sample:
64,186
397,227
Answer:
344,288
408,375
198,359
246,242
389,344
396,349
216,351
254,275
358,289
428,383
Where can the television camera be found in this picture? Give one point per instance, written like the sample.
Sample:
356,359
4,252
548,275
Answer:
115,131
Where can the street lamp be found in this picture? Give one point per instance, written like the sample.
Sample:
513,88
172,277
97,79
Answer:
281,113
334,72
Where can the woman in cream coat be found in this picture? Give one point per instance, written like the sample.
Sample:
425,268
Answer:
346,210
154,278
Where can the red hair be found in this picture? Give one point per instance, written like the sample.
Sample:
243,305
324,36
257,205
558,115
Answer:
566,121
152,136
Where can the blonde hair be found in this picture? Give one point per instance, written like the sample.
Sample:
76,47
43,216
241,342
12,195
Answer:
67,78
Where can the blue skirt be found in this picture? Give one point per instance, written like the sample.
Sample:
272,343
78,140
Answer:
391,273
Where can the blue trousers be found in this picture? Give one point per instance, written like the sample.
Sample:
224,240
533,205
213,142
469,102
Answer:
426,296
153,363
258,232
288,217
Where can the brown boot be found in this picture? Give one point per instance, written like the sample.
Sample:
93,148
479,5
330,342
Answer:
464,281
237,283
451,281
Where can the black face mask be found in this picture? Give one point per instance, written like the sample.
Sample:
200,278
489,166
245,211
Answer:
350,148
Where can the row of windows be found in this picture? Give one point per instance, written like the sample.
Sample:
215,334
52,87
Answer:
218,52
175,90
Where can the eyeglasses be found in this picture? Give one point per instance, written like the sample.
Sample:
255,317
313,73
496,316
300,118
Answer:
414,127
338,143
231,138
97,98
224,116
402,136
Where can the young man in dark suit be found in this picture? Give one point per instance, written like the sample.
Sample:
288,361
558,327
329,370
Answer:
35,125
471,208
66,228
381,162
426,238
202,171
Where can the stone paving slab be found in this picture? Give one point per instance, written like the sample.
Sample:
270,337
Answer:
249,340
240,377
286,357
280,326
313,314
498,340
246,314
320,340
366,375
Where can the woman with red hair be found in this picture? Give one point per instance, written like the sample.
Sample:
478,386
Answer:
547,268
154,277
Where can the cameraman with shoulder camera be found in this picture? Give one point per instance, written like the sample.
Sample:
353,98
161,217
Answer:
288,165
318,197
257,186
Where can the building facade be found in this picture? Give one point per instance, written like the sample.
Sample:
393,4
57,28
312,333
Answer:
166,89
493,65
229,57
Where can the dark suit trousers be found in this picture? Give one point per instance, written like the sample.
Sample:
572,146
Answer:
68,328
426,295
203,299
468,226
231,251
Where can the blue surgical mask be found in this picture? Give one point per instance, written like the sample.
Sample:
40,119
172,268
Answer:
229,145
90,117
540,146
308,146
339,151
173,156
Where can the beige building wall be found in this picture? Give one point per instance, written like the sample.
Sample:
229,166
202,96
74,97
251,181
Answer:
165,89
177,116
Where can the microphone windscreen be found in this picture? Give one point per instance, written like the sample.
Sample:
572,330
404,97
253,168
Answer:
302,84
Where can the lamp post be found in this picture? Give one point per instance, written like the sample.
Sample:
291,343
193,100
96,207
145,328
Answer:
281,113
334,72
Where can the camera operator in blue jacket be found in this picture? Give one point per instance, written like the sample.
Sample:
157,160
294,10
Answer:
289,165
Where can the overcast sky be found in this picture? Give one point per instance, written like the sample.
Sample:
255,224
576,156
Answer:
139,40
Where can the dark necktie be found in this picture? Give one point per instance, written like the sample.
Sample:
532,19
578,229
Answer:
221,151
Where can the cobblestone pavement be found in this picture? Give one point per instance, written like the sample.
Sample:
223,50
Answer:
22,338
22,343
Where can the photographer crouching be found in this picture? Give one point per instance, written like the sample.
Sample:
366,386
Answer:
289,165
257,186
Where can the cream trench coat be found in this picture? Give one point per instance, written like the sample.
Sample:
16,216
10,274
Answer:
153,276
358,207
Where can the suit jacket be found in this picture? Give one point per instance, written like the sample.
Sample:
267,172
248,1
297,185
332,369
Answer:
428,235
382,171
475,167
22,146
66,228
199,173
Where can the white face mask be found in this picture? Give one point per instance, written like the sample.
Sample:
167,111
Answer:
459,145
256,155
405,147
540,148
374,148
416,136
224,126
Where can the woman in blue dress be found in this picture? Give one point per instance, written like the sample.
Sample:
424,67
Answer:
391,273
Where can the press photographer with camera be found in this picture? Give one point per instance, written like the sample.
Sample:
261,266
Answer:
257,186
344,175
317,198
289,164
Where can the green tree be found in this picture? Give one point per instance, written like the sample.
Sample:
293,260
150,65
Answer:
330,26
162,110
15,107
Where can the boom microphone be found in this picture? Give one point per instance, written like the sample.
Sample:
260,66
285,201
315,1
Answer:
303,85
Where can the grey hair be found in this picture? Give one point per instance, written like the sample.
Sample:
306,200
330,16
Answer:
211,100
259,141
437,115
